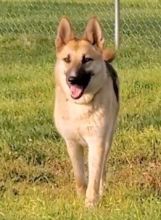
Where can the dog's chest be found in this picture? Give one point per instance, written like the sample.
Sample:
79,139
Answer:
79,121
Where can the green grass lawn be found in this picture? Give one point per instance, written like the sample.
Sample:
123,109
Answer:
36,178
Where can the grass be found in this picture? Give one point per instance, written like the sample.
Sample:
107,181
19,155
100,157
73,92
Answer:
36,178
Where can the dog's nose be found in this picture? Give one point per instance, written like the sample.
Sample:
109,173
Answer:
72,79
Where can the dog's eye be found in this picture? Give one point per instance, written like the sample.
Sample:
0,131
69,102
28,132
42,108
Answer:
86,59
67,59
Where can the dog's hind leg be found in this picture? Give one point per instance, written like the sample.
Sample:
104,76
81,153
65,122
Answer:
75,152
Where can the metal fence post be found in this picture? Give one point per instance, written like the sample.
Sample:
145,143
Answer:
117,24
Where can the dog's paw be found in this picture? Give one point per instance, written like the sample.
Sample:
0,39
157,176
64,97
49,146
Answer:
81,190
91,203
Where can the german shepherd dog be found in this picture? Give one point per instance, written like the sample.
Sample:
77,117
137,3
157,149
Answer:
86,103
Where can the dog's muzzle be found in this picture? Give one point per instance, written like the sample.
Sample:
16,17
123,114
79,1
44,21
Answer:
78,83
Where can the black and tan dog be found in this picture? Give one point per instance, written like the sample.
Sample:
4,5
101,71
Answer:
86,103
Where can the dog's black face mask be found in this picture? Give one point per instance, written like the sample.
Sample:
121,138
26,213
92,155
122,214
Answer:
78,82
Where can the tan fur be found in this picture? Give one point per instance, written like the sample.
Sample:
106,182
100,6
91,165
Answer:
108,54
90,120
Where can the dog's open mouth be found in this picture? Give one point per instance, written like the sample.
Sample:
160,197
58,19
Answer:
76,91
78,85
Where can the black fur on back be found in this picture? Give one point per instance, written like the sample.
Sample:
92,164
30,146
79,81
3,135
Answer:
114,77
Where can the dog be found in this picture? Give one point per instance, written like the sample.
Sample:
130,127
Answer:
86,103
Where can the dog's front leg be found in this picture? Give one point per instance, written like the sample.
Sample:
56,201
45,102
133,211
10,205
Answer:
95,167
75,152
103,174
108,144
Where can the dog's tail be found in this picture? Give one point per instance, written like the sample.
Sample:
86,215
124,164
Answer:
108,54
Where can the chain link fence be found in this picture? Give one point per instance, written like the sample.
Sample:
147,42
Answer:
41,17
140,30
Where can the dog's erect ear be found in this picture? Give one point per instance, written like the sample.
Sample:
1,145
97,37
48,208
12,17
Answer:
93,33
64,33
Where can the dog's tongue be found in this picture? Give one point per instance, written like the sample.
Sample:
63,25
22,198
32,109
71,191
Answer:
76,91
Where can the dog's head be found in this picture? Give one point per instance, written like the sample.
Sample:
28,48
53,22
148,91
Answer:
80,67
